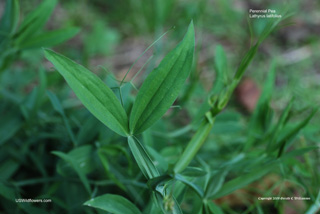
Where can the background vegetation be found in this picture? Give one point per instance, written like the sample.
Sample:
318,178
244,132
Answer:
52,147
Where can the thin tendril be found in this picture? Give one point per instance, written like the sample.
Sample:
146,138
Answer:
143,54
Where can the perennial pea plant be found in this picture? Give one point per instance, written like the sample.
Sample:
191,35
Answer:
167,182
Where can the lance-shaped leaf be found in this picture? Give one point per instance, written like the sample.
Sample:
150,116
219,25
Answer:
142,157
34,21
96,96
162,86
115,204
51,38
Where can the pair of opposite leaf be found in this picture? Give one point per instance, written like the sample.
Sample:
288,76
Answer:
156,95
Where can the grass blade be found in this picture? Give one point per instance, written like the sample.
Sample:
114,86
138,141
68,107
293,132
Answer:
10,18
96,96
51,38
243,181
163,85
34,21
113,204
76,167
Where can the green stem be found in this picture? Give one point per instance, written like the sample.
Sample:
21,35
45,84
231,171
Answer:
193,146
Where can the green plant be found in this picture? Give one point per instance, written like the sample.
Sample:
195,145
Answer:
15,38
166,181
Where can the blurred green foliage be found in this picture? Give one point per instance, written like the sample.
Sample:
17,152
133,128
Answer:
52,147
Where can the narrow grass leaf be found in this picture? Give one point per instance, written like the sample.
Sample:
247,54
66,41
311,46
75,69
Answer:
243,181
193,172
58,107
293,132
76,167
221,70
190,184
114,204
315,207
34,21
213,208
299,152
48,39
7,192
10,18
142,157
215,183
162,86
96,96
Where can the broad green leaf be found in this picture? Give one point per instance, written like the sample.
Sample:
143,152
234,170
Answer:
162,86
93,93
76,167
34,21
114,204
243,180
10,18
142,157
48,39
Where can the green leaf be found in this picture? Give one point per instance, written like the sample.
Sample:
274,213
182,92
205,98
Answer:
314,208
193,172
293,132
163,85
82,157
221,69
76,167
10,18
114,204
213,208
93,93
51,38
193,186
299,152
58,107
34,21
215,183
142,157
108,153
7,192
243,180
246,61
9,126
